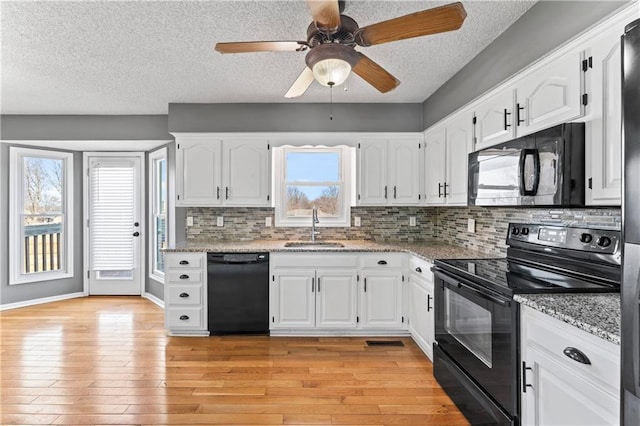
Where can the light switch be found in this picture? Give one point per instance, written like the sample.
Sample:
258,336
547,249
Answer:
412,221
220,221
471,225
267,221
356,221
189,220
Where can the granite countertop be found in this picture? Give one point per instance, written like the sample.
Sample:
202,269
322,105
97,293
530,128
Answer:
428,250
598,314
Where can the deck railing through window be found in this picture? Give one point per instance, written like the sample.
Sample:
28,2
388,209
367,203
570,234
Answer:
42,248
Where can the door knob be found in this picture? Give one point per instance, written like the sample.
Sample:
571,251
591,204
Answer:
136,234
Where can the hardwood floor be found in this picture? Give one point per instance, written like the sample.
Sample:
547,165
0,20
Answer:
108,360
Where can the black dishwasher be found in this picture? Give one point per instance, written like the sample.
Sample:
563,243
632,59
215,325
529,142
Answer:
238,293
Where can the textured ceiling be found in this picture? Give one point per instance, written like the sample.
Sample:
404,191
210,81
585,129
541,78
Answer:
134,57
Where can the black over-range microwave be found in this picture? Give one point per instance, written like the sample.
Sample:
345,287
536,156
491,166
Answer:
542,169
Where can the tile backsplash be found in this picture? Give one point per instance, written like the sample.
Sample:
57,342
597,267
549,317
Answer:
447,224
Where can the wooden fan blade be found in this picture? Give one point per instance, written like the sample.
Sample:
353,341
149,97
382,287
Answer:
260,46
301,84
375,75
431,21
326,14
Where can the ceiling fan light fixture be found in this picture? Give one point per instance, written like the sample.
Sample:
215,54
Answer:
331,63
331,71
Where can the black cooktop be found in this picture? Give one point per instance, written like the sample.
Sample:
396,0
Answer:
510,277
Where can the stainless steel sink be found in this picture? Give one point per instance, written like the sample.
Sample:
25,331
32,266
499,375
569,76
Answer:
310,244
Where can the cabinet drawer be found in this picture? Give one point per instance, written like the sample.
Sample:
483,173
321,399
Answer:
184,318
382,260
314,260
421,268
184,276
185,260
184,294
554,336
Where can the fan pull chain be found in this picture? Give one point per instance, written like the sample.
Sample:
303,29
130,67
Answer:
330,101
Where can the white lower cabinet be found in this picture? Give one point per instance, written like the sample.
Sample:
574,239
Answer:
185,293
344,292
422,316
557,389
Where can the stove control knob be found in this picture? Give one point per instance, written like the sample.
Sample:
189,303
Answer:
586,238
525,231
604,241
515,231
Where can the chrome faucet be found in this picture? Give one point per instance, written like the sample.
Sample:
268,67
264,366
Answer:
314,220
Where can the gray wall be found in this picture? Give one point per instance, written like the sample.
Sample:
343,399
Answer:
86,127
295,118
547,25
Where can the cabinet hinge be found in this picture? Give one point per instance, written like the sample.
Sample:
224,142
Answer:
273,278
178,197
358,145
268,147
587,63
178,146
88,274
402,319
268,197
590,183
358,196
419,197
273,319
357,319
419,146
403,278
358,278
475,119
585,99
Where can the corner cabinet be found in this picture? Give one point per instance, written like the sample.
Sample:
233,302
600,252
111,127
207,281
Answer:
389,172
556,387
185,293
447,147
222,172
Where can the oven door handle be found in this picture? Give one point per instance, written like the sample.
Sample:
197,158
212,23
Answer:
451,281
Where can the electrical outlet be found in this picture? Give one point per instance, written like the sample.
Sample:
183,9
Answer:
189,220
267,221
471,225
220,221
356,221
412,221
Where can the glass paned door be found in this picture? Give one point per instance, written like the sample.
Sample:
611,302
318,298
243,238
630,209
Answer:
114,225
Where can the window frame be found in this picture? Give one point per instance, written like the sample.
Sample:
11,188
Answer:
16,212
280,186
154,157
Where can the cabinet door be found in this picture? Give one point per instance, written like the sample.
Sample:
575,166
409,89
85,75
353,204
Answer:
293,299
336,299
421,320
404,171
459,141
604,182
373,186
495,120
198,172
550,95
246,166
560,397
381,296
434,165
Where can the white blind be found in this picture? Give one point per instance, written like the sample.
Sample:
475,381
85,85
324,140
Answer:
112,215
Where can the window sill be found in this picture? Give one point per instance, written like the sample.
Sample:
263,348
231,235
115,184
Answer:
39,277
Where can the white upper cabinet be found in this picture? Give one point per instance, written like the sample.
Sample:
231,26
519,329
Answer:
389,172
199,176
603,169
545,95
447,146
246,169
214,172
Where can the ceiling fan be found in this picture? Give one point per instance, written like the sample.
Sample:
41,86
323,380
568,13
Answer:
332,38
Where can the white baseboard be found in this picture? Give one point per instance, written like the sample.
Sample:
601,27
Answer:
154,299
32,302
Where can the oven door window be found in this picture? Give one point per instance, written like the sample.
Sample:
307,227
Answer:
469,324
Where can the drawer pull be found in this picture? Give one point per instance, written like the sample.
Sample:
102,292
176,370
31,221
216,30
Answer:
576,355
419,269
382,262
184,262
184,294
184,317
184,277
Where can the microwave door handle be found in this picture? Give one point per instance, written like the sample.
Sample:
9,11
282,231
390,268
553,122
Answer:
536,165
